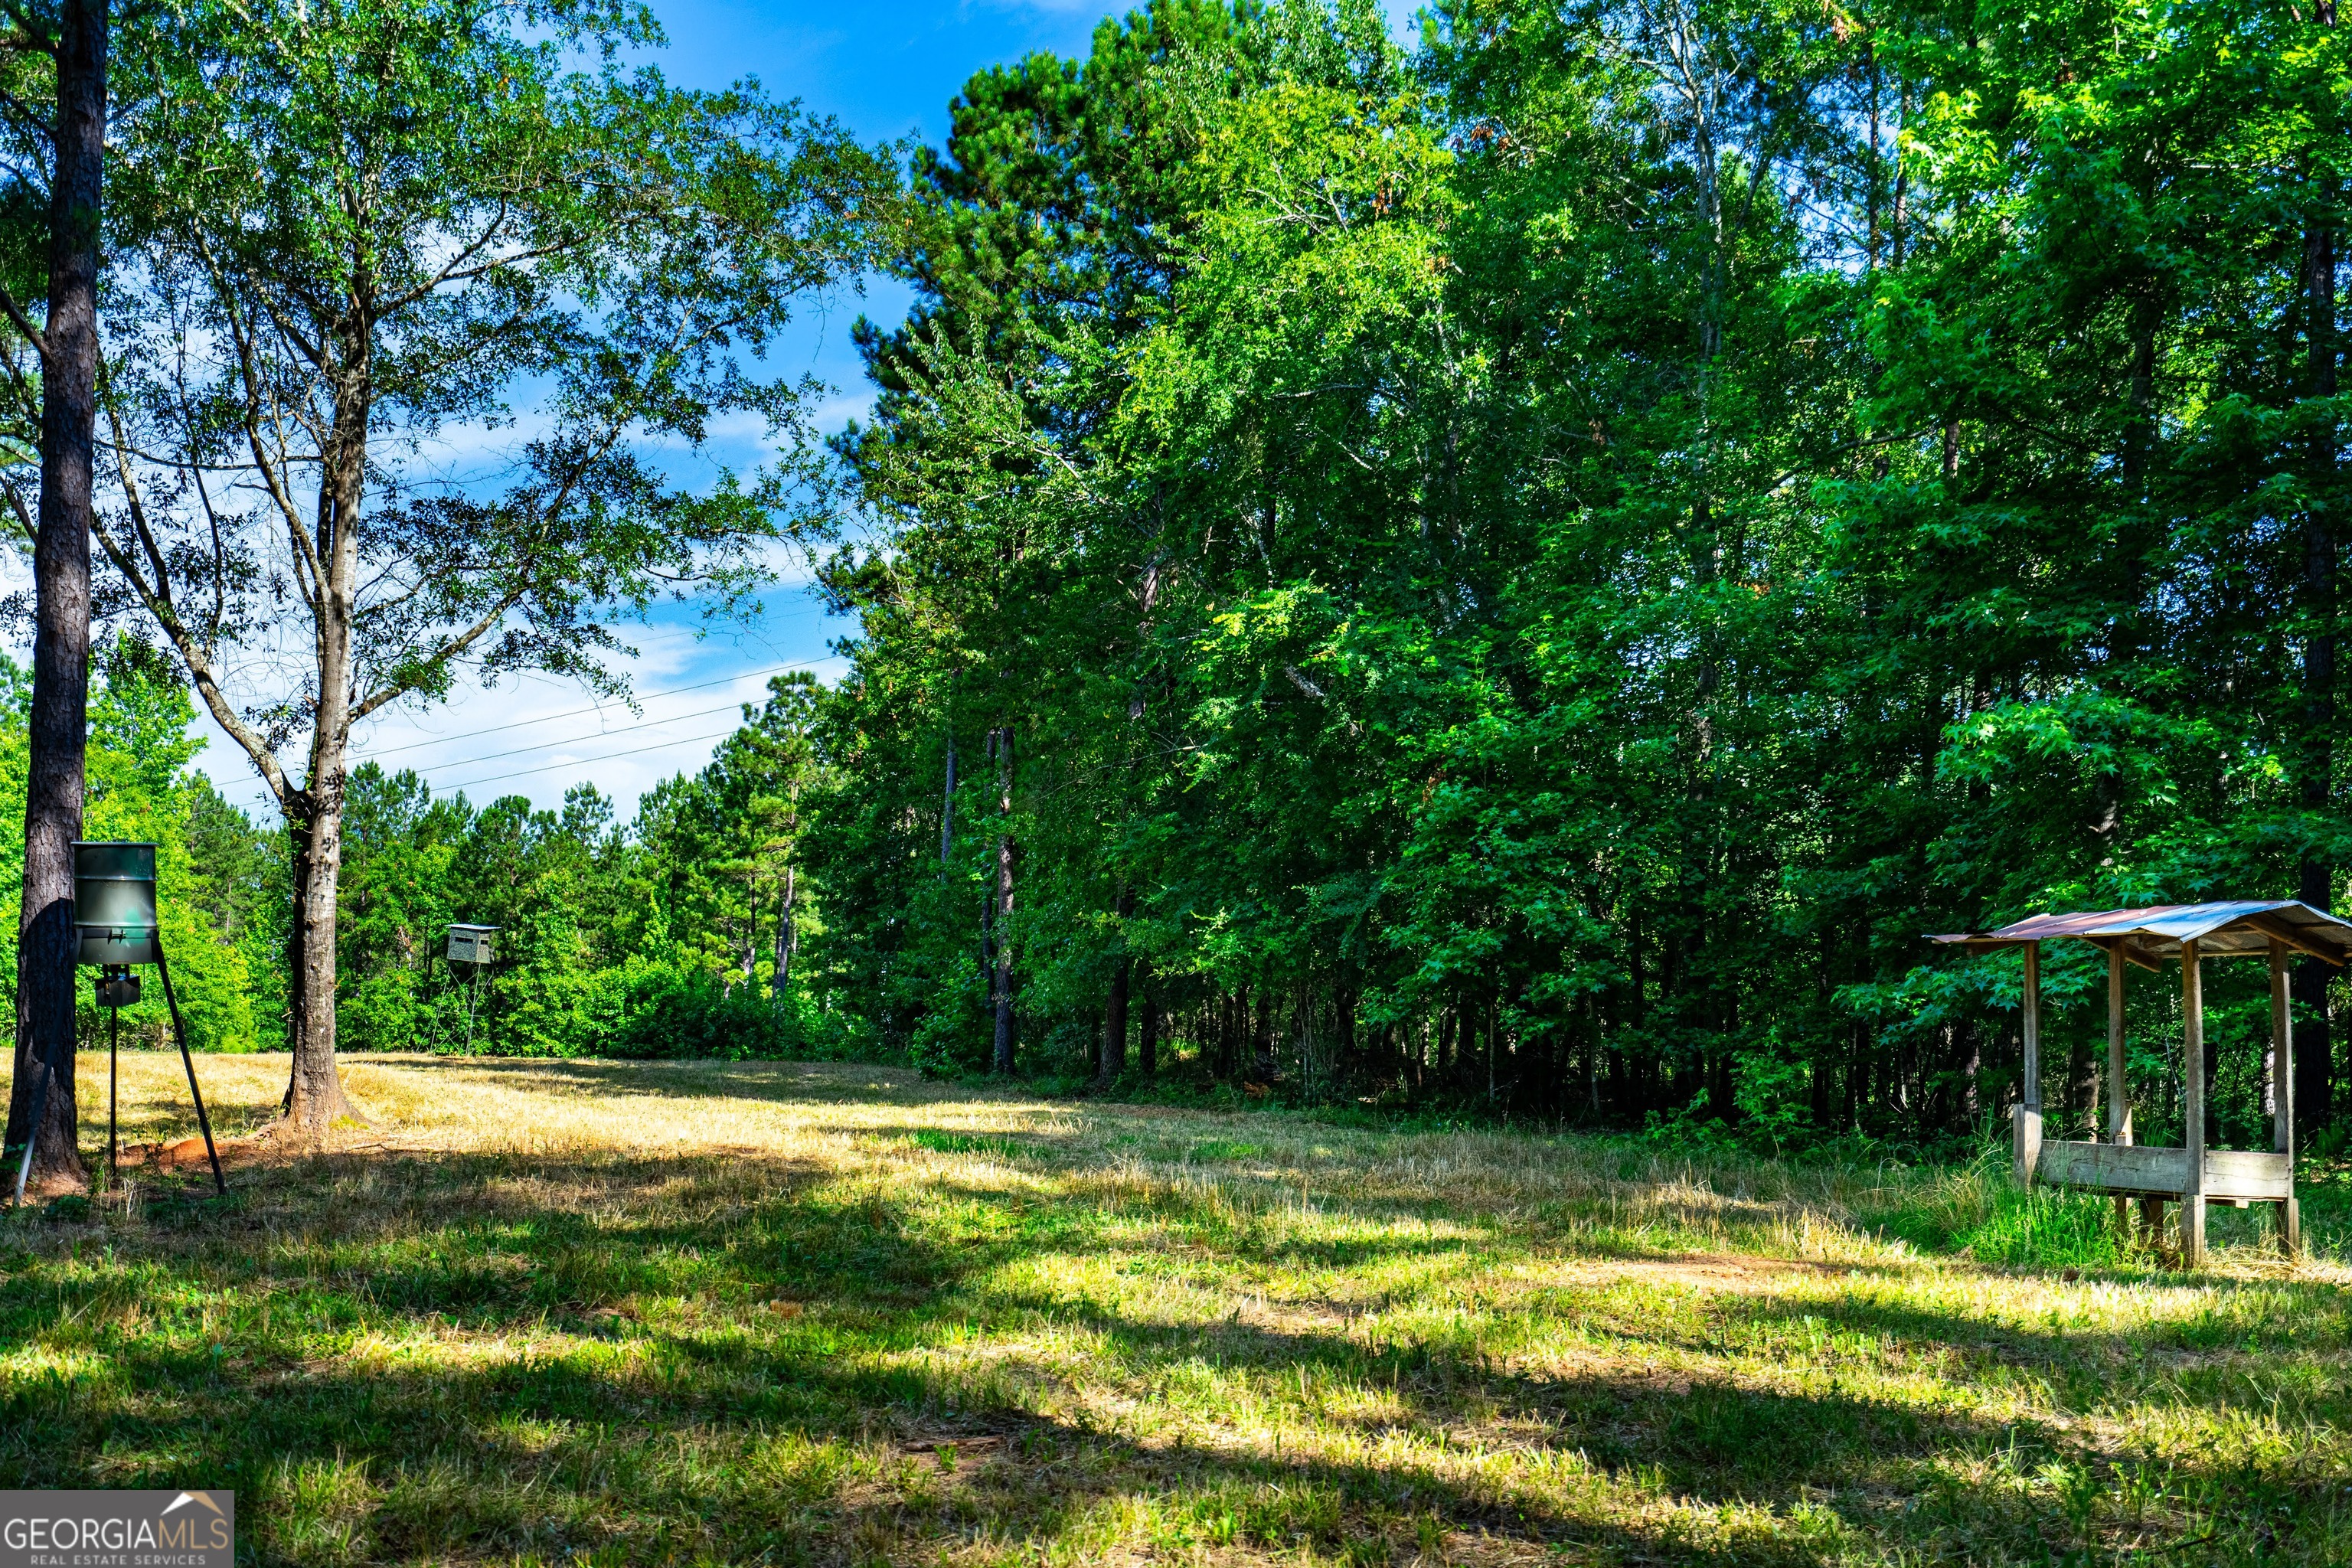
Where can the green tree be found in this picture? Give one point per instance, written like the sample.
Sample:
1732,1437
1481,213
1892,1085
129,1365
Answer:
357,230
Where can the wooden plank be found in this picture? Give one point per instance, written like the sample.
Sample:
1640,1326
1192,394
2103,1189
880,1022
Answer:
2121,944
2248,1174
2278,930
2281,1084
2113,1167
2290,1220
2231,1173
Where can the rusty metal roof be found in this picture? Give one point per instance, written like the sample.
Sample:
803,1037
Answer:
2157,931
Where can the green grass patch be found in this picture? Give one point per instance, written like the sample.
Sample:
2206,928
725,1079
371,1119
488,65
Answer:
2047,1228
711,1313
971,1143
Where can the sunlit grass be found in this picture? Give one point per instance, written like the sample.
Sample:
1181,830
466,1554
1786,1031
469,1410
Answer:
701,1312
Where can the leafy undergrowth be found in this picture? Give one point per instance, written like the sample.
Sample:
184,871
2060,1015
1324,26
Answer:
620,1312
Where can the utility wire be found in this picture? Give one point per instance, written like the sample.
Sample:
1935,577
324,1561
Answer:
581,762
591,708
594,735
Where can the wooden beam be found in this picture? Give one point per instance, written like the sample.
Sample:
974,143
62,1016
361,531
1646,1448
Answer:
2119,1118
2290,1220
2031,1089
2123,945
2238,1175
2278,930
2119,1125
2192,1063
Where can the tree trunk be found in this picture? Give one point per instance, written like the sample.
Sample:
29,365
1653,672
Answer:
1110,1059
2314,1088
46,939
787,934
1001,979
1971,1070
314,1091
1147,1021
947,811
1114,1040
2082,1065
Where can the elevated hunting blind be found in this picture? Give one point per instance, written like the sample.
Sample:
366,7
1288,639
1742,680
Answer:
2191,1175
473,944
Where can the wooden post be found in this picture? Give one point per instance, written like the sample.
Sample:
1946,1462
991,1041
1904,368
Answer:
2025,1124
2119,1125
2193,1075
2290,1220
2032,1086
2119,1119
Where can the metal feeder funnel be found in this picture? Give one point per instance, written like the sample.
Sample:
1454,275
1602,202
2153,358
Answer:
114,902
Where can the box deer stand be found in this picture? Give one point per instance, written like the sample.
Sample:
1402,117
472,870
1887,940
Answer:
2193,1175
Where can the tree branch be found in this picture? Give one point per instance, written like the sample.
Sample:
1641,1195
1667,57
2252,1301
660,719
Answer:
24,324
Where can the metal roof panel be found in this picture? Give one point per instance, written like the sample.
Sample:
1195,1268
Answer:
2229,927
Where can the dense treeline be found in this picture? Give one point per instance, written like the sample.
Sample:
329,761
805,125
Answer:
1533,572
660,938
1524,572
340,242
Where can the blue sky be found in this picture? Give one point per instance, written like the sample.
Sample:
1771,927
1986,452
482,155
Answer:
886,72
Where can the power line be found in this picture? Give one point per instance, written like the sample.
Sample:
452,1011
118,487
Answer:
592,735
592,708
581,762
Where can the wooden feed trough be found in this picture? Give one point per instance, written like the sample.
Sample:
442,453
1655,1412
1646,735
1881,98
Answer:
2192,1175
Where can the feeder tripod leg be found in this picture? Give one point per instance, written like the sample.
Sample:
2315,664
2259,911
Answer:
180,1031
33,1133
113,1052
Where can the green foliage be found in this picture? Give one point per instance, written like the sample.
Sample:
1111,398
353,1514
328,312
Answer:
209,880
1531,576
660,938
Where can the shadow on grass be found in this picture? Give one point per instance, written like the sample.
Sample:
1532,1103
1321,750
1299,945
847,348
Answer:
737,1357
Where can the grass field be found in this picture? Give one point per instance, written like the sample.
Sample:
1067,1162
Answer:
620,1313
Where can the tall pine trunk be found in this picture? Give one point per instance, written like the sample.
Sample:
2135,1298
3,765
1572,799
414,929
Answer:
1001,975
1114,1042
2315,880
787,936
1147,1044
46,939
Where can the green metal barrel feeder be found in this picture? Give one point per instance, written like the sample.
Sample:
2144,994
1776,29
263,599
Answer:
114,904
117,923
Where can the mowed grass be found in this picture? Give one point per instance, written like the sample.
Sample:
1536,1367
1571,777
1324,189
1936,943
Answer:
622,1313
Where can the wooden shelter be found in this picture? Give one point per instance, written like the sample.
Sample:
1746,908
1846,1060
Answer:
2192,1175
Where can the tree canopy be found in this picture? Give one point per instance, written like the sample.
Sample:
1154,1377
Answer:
1524,570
